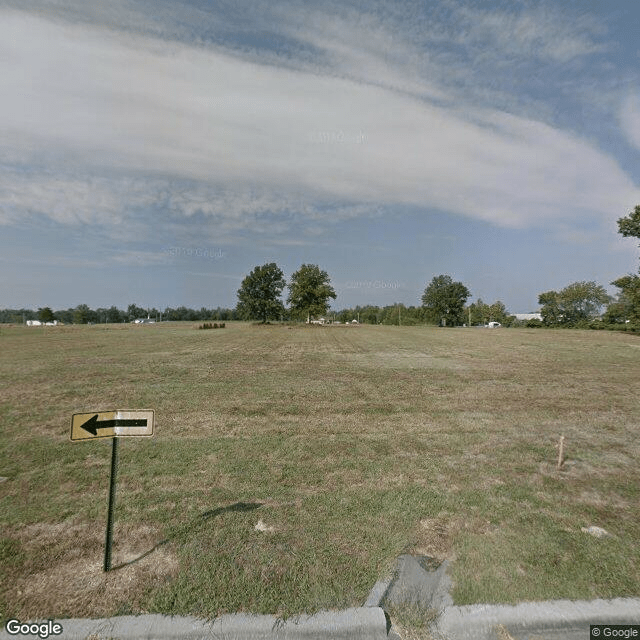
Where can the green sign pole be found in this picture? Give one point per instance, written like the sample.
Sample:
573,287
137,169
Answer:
112,500
111,424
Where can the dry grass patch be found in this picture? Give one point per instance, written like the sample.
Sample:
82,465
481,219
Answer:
62,570
436,537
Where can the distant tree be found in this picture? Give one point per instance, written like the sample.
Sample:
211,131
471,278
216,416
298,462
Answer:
401,315
183,313
369,314
259,294
629,298
113,314
498,312
583,300
309,292
12,315
576,303
482,313
45,314
64,315
394,314
223,314
444,300
617,312
477,313
82,314
550,310
134,311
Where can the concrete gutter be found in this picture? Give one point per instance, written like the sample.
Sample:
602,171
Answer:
561,619
360,623
425,585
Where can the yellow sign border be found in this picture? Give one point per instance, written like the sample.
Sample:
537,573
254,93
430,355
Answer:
78,434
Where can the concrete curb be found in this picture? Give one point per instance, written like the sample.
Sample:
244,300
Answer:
359,623
418,581
557,619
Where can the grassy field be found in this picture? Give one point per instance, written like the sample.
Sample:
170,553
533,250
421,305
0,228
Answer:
349,445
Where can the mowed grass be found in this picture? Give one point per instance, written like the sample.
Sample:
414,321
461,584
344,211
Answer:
349,445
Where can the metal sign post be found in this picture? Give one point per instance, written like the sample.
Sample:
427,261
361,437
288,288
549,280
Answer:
114,425
112,500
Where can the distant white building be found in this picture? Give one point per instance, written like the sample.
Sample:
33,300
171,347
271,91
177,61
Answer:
528,316
34,323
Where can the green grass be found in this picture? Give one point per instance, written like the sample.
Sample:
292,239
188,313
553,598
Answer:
355,444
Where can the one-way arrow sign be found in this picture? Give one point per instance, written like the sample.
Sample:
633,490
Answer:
109,424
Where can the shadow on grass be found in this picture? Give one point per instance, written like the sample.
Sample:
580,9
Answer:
212,513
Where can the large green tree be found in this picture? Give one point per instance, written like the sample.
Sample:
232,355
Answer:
577,302
444,301
259,294
309,292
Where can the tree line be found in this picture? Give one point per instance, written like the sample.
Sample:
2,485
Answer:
444,302
83,314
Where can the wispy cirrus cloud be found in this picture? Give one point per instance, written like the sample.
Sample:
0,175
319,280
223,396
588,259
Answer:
200,129
543,32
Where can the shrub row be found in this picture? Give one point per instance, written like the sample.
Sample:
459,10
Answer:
208,325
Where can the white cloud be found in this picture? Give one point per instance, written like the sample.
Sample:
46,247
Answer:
359,47
249,138
69,199
543,33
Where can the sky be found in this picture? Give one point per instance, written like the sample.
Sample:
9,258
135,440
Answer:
155,152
